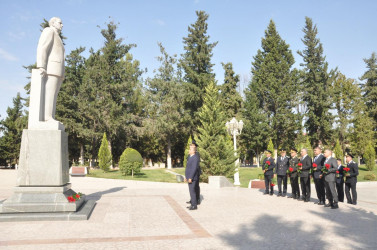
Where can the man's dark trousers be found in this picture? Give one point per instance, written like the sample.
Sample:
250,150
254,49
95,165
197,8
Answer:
193,193
282,178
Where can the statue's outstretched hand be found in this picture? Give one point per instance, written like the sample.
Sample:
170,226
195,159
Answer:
42,72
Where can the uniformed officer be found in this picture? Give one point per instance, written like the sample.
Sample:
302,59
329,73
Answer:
293,175
268,170
351,179
282,165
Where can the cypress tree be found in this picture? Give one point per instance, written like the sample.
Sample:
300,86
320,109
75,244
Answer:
275,86
187,149
104,155
196,64
338,151
215,145
316,87
370,157
230,98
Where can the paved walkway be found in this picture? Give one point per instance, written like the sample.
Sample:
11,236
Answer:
145,215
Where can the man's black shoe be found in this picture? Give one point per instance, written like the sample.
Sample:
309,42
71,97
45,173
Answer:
284,194
306,201
188,202
349,202
335,206
279,194
193,208
354,203
328,205
198,202
266,193
271,193
321,203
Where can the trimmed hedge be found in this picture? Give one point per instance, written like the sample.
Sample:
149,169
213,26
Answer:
130,162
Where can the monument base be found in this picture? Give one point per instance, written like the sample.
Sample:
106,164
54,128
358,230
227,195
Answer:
83,213
41,200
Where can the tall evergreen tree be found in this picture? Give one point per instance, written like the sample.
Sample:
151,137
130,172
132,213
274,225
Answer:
255,132
370,87
230,98
68,108
275,86
12,127
112,91
361,129
166,105
316,86
215,145
345,92
196,64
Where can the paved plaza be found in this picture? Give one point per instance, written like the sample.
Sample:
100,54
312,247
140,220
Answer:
146,215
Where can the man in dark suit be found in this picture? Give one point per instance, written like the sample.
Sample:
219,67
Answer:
293,175
192,177
197,187
351,179
268,170
340,181
282,165
306,162
318,163
329,173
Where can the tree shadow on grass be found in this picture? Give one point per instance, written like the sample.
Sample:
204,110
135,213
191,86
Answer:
357,225
97,195
272,232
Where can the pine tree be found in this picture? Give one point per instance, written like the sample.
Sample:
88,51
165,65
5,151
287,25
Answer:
68,108
370,87
215,145
111,93
12,127
338,151
316,86
196,64
275,85
166,105
345,92
187,151
370,157
104,155
230,98
255,131
361,131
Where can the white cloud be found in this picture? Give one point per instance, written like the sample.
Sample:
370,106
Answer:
7,56
160,22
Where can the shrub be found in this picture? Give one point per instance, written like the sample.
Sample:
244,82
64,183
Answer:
369,177
130,162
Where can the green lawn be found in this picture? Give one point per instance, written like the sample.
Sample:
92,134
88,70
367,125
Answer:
158,175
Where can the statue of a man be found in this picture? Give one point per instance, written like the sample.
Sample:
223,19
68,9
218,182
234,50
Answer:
50,62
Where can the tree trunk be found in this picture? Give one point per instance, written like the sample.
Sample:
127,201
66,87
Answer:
132,173
82,160
168,155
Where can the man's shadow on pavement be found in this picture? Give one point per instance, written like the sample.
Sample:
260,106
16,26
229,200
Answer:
97,196
357,227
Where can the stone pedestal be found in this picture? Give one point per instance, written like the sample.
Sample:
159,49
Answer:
41,200
43,158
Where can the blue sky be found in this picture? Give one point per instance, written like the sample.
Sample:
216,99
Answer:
347,30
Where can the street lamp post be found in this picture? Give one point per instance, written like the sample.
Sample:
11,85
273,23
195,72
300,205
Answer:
234,128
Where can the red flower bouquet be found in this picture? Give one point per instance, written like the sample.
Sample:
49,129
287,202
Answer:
289,170
347,170
267,165
74,198
314,166
299,166
325,170
337,174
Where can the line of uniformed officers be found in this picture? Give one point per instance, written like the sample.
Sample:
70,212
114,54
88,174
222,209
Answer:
328,173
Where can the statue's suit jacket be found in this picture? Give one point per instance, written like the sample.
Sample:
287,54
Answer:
50,53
